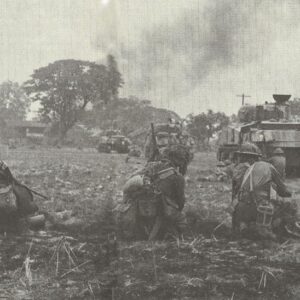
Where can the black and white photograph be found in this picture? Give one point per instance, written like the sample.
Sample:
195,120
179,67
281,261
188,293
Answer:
149,149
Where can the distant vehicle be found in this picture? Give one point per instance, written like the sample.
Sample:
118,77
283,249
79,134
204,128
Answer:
117,143
269,126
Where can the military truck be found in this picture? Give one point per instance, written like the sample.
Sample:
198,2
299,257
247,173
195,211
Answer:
114,142
269,126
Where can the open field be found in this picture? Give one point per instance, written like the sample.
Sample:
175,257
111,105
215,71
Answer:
81,260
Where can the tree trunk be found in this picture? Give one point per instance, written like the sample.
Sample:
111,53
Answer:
63,129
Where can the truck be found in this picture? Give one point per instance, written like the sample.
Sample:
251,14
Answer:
269,126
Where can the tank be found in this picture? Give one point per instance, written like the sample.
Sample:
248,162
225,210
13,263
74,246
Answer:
113,141
269,126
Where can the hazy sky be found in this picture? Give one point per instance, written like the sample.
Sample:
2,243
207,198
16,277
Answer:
187,55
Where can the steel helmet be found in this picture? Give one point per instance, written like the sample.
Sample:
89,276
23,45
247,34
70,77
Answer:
278,151
249,149
221,164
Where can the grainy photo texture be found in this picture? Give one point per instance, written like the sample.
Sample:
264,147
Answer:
149,149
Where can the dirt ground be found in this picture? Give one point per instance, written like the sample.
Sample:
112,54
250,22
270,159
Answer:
82,259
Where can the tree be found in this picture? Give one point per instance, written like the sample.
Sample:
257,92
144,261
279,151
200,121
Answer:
131,115
13,104
13,101
65,88
295,107
204,125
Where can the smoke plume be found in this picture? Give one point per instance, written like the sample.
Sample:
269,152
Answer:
200,54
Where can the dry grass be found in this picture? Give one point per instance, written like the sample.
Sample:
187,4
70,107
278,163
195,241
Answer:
81,262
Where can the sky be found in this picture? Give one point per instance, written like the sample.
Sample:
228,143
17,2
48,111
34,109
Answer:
185,55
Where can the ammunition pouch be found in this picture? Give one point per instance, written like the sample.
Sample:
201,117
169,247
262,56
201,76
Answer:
265,214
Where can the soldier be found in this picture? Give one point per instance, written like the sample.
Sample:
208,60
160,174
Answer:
248,154
16,200
161,185
6,177
256,185
278,160
8,201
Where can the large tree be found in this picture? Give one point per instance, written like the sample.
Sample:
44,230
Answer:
65,88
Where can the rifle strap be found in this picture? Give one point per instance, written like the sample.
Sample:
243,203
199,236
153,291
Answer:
246,176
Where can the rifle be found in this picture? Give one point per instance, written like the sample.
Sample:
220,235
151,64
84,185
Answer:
29,189
155,149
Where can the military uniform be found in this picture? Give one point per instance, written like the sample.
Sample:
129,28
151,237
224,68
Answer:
258,204
263,177
170,184
278,160
6,177
237,177
16,200
157,192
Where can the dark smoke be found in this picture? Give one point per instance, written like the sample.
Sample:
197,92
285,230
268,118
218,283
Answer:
200,40
176,60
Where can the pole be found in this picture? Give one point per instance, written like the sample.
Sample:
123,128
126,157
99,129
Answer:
243,96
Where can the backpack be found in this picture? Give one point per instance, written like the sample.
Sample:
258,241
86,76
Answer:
143,189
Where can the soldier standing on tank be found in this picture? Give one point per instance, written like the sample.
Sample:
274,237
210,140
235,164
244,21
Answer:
278,160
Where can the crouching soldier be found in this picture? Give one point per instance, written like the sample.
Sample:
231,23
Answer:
16,200
156,197
256,184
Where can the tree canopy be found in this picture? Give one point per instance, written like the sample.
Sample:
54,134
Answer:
295,107
204,125
66,87
13,101
13,105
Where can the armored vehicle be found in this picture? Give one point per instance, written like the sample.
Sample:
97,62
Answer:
117,143
269,126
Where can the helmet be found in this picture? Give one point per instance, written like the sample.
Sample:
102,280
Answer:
278,151
221,164
249,149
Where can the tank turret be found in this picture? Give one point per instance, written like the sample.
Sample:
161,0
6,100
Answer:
281,99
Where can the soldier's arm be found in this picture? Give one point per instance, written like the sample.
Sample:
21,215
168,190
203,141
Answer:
281,187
